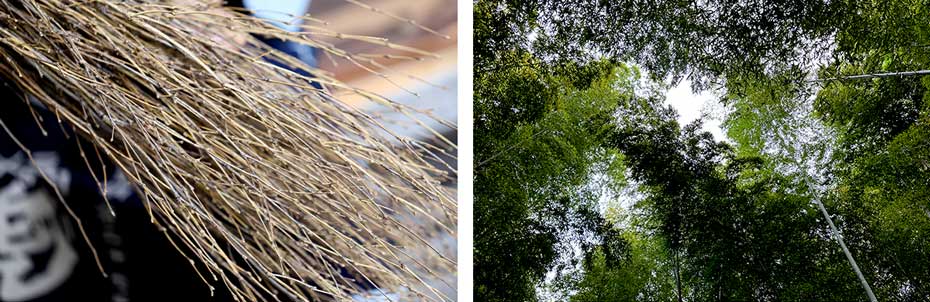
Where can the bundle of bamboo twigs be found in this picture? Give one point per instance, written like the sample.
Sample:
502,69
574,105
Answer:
276,187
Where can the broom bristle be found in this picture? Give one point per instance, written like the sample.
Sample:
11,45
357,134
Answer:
274,186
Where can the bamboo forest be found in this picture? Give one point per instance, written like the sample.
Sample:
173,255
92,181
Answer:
589,188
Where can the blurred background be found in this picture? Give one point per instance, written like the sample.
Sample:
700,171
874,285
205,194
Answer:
437,90
428,83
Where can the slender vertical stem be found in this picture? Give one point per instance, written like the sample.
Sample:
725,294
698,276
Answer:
808,181
839,238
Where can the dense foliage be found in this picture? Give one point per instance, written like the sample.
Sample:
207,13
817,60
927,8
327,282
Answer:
563,130
526,192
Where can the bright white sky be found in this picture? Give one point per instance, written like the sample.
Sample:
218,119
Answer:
691,106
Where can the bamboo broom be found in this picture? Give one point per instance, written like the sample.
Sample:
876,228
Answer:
276,187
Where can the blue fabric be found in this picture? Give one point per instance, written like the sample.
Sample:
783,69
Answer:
305,53
274,9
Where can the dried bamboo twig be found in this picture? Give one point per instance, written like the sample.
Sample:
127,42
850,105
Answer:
276,187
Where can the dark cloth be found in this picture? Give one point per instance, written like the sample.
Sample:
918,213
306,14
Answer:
43,256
